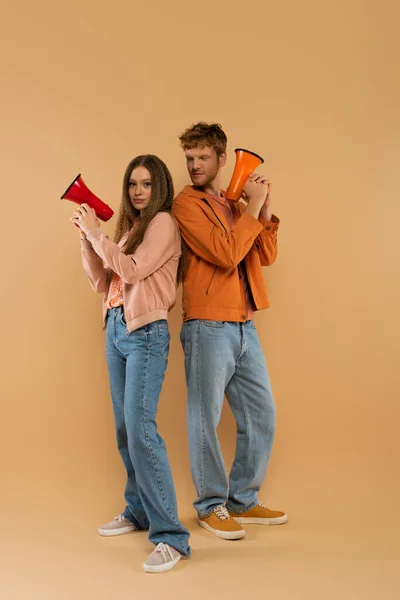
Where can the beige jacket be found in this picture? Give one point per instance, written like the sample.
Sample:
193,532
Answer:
148,275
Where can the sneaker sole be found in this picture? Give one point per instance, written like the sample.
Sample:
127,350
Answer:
111,532
161,568
261,521
225,535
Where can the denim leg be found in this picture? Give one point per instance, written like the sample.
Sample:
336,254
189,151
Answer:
116,362
209,348
250,397
147,353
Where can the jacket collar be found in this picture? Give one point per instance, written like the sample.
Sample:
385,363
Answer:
190,191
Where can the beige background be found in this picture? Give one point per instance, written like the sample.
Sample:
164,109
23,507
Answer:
314,87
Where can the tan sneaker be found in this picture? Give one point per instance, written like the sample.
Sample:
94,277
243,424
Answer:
221,525
117,526
260,515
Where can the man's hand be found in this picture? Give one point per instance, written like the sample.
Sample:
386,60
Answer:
256,192
85,218
266,211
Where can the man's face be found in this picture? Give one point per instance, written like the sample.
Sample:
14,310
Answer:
203,164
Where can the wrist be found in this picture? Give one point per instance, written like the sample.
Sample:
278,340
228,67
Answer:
254,208
89,231
266,213
253,212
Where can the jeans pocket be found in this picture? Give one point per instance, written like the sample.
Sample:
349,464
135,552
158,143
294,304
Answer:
214,324
163,339
162,326
185,338
122,319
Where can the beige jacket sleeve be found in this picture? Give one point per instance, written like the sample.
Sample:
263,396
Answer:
161,241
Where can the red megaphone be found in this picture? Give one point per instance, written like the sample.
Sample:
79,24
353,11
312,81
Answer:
78,192
246,163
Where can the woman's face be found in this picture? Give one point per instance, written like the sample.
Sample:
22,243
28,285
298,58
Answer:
139,187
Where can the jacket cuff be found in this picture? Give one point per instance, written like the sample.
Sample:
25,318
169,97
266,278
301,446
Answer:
272,225
251,223
94,234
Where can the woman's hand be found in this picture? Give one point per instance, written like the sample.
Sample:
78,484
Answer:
85,218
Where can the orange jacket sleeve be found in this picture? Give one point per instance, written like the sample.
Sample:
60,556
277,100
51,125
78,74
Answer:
267,241
210,242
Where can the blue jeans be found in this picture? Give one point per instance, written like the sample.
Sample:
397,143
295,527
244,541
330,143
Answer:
137,364
226,358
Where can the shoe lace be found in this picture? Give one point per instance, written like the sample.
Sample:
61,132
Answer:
222,512
119,518
262,504
165,550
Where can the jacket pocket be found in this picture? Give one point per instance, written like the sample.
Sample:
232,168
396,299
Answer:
211,280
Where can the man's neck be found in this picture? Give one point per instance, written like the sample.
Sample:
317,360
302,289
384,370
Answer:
213,187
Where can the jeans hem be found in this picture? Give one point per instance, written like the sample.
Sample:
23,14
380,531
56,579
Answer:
249,507
210,512
187,551
128,515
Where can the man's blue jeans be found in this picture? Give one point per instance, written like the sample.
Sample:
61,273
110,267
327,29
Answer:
227,358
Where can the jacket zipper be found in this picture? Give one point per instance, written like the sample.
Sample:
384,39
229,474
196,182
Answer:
212,208
209,285
215,268
249,287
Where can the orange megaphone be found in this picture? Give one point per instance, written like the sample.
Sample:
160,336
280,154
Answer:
78,192
246,163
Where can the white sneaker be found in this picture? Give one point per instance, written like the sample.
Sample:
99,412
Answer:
117,526
163,558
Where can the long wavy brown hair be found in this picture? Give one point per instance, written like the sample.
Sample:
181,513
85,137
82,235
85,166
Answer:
162,196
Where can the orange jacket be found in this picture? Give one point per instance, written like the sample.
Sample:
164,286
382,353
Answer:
212,288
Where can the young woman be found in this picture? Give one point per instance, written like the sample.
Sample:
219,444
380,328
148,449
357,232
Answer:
137,275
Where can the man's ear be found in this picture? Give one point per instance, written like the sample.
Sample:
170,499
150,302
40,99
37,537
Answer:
222,159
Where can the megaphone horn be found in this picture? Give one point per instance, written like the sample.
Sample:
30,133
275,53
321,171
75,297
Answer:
79,192
246,163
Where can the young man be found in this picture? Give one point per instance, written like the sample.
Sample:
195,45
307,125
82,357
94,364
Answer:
226,245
